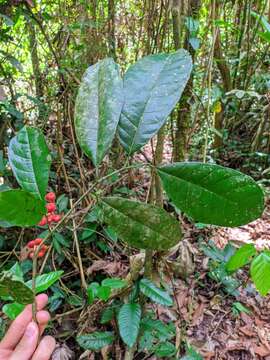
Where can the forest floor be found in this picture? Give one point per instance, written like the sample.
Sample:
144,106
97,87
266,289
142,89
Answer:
204,314
219,324
213,327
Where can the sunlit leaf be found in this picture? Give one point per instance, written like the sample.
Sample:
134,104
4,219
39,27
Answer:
260,272
30,160
152,87
98,106
241,257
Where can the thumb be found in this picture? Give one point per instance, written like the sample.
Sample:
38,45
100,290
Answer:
26,347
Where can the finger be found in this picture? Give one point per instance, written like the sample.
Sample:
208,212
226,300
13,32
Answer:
45,349
18,326
27,346
43,317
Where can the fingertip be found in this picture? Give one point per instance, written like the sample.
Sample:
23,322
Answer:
45,348
50,341
43,317
41,300
31,330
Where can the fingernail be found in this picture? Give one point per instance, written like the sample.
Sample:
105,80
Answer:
30,330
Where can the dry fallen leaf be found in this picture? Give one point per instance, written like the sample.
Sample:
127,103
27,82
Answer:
63,352
197,316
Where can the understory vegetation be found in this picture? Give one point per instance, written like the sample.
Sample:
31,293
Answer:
135,173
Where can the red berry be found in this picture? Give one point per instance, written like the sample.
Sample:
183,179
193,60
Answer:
44,248
56,218
38,241
31,244
50,218
50,197
31,255
43,221
51,207
41,253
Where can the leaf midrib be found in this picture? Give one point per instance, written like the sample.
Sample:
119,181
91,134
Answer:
201,187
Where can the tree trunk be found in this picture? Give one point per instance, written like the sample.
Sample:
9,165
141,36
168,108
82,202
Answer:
183,112
35,60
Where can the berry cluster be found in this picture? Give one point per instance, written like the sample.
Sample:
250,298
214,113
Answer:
51,216
32,246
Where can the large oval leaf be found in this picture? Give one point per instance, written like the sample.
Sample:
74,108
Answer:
98,107
129,318
141,225
260,272
30,160
212,194
20,208
152,87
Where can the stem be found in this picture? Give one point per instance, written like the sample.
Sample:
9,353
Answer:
84,284
129,354
34,275
148,264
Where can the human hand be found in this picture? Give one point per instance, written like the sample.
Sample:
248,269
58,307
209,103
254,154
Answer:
22,339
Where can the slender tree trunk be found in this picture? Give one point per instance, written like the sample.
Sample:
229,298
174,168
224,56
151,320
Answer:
183,112
35,60
219,57
225,75
111,29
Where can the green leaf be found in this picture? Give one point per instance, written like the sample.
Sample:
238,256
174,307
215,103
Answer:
114,283
141,225
129,318
157,295
152,87
20,208
43,282
98,107
162,331
191,355
240,308
260,272
241,257
89,231
20,292
13,310
262,20
96,340
92,291
165,350
264,35
212,194
107,315
30,160
8,21
104,293
110,234
16,270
